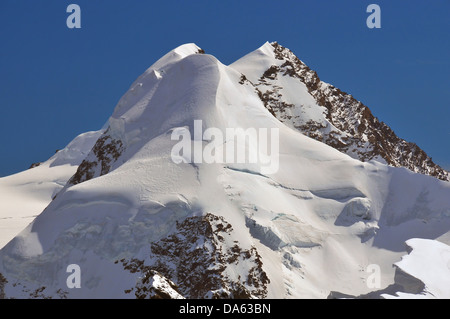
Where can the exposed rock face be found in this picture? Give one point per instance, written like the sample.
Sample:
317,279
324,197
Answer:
33,165
151,285
349,125
29,293
3,282
99,161
198,260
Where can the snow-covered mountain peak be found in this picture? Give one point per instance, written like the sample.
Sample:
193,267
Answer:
187,49
142,223
176,54
149,79
294,94
266,49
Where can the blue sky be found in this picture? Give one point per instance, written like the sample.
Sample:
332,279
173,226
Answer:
56,83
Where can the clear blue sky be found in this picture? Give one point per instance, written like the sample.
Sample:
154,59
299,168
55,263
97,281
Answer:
56,83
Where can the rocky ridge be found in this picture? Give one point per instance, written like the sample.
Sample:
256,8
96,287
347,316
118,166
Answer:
349,126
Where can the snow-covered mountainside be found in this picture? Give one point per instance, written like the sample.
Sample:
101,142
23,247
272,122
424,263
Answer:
141,223
23,196
297,97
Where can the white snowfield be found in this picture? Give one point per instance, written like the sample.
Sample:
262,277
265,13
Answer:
317,223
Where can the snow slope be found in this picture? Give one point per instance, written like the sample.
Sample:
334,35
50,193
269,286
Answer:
24,195
428,262
132,218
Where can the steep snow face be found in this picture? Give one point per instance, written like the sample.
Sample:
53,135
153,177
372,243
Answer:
141,224
145,85
297,97
23,196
